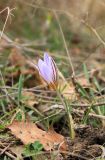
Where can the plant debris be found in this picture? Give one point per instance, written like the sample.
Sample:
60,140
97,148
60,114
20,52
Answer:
28,132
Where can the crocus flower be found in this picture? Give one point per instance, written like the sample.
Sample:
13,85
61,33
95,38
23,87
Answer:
48,70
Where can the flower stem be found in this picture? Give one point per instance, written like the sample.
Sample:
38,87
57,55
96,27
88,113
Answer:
71,126
70,119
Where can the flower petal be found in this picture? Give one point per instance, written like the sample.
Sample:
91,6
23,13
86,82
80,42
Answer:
46,58
54,69
45,71
50,62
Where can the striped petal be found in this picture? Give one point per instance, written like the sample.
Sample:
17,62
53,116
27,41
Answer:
50,62
45,71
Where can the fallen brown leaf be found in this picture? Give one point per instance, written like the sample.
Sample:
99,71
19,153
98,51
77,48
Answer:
3,44
22,66
28,132
83,82
67,90
16,58
30,98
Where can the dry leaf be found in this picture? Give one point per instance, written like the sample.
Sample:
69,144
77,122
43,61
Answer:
68,91
16,58
28,132
83,82
30,99
23,67
3,44
76,51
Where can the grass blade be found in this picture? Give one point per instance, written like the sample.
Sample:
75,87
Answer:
20,86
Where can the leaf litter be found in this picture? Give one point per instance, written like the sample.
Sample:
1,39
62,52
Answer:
28,132
88,141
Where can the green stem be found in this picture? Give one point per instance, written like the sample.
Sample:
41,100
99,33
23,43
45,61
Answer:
70,119
71,126
84,121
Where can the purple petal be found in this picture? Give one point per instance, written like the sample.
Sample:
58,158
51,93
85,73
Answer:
45,71
54,69
50,62
46,58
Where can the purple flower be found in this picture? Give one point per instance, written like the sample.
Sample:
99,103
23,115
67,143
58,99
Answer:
48,70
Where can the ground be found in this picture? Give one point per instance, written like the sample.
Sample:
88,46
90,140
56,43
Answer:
65,120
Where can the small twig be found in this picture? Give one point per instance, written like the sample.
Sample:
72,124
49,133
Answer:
75,155
63,37
8,13
5,149
90,114
10,155
87,105
61,107
94,31
37,95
